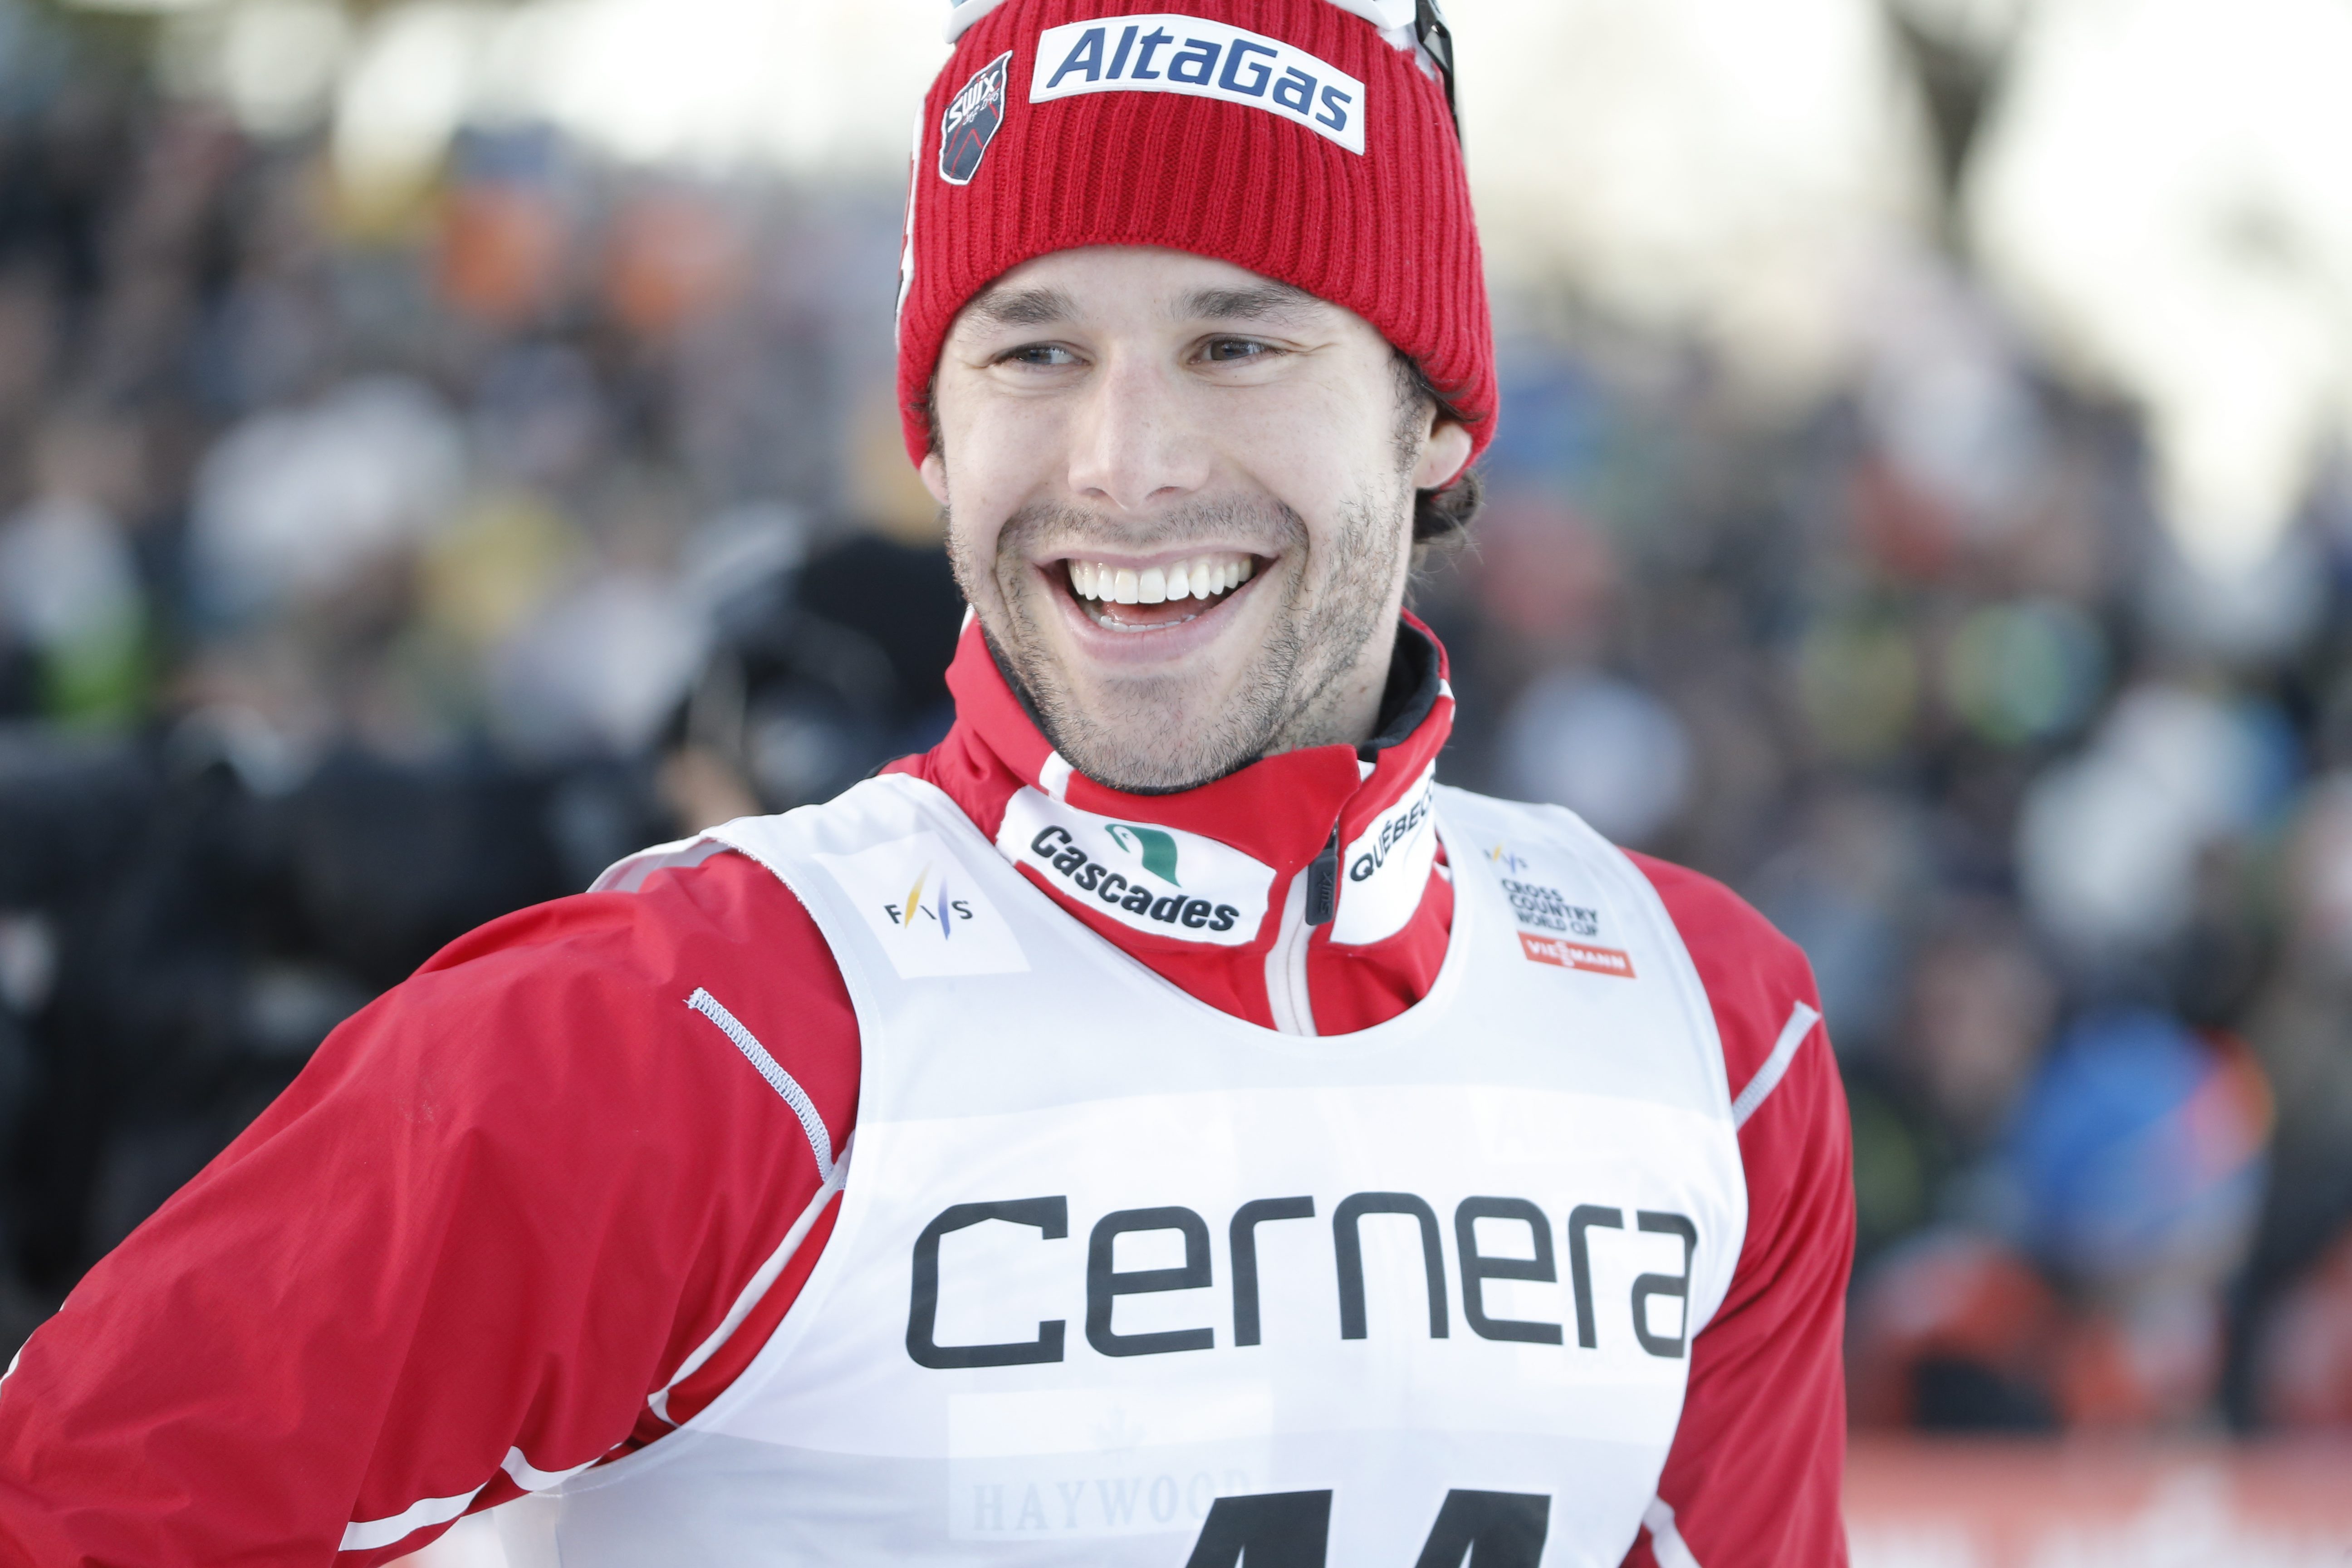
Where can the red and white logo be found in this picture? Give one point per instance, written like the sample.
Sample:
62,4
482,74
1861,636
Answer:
974,116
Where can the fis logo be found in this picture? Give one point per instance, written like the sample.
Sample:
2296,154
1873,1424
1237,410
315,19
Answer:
1199,59
1162,880
927,911
974,116
941,911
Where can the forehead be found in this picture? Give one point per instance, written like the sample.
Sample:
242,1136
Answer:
1120,285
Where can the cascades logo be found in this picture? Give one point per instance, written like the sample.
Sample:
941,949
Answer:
1550,925
1156,849
925,909
1162,880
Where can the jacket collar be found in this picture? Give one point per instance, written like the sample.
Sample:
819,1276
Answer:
1367,806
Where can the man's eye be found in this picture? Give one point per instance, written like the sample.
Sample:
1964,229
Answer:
1226,350
1050,355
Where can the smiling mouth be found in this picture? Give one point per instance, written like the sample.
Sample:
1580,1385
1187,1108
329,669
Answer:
1132,599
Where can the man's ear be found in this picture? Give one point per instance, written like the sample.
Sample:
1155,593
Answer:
1443,459
935,477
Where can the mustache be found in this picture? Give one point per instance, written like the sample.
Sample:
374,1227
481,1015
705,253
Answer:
1051,528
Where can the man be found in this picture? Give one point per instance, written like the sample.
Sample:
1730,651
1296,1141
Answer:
1157,1126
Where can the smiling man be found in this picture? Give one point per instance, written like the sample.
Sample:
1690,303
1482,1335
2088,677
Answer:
1162,1125
1181,502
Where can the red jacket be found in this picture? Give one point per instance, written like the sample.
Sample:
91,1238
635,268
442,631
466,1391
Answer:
511,1219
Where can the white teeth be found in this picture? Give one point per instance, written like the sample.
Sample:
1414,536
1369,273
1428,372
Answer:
1202,577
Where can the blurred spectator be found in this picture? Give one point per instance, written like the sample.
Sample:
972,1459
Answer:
2130,1180
2137,1164
1605,748
2305,1372
1981,1006
1954,1333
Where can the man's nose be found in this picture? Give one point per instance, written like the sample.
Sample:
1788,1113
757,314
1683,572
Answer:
1136,441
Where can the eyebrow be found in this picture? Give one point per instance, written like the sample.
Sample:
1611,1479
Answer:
1051,307
1258,302
1024,306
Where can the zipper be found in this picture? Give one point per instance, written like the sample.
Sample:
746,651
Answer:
1323,883
1313,900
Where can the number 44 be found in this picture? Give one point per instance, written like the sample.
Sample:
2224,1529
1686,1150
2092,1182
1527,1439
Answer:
1291,1529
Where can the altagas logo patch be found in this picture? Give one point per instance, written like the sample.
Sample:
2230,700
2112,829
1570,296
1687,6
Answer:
1170,52
974,116
1160,880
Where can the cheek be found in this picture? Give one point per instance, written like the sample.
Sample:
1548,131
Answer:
1000,455
1318,454
971,551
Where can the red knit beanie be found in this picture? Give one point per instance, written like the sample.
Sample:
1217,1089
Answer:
1288,137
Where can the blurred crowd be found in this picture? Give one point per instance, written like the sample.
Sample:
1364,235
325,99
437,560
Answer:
370,569
365,575
2065,829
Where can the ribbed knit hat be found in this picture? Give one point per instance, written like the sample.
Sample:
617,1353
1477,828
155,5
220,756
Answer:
1295,138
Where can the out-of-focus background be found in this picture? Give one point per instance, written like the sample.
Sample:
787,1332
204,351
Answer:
446,444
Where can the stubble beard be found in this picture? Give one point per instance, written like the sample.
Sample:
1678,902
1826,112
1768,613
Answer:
1149,734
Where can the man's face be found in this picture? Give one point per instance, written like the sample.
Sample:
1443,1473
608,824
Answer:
1180,497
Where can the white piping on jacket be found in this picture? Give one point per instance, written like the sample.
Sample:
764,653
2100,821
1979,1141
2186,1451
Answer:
1285,965
782,1082
1666,1542
368,1534
758,1287
1800,1023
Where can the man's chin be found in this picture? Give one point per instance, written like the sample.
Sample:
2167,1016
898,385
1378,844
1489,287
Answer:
1150,736
1140,723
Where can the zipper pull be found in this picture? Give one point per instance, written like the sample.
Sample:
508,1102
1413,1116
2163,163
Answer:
1323,883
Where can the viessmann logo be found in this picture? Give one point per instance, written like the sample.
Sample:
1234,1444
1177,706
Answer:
1160,880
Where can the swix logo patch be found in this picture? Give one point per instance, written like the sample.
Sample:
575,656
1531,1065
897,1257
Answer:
974,116
1387,867
925,909
1159,880
1552,924
1190,55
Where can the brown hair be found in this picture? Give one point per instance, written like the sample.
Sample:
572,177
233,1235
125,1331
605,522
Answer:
1439,516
